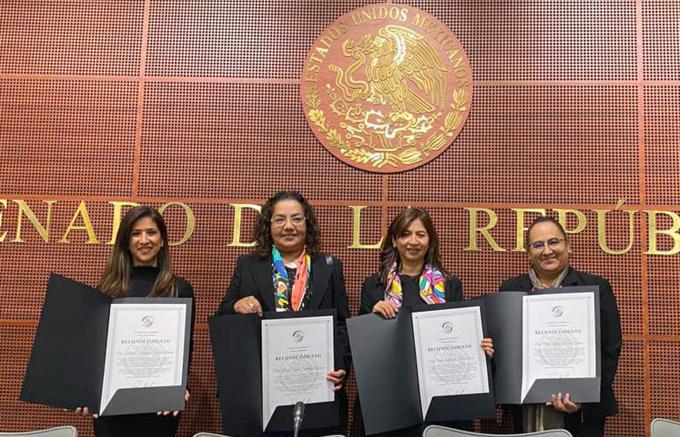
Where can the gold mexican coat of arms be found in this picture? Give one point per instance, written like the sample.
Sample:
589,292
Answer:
386,88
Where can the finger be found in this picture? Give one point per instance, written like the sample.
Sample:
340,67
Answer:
337,387
557,402
175,413
569,403
95,416
165,413
379,310
187,395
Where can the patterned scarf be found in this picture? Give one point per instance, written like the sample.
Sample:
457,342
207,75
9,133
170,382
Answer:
431,286
281,282
536,283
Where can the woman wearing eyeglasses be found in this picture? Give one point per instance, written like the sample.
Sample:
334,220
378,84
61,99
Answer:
286,272
549,254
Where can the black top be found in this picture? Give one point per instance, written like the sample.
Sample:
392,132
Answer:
145,425
253,277
610,335
373,291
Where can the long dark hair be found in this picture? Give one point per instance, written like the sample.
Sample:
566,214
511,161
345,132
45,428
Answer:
117,277
263,224
389,254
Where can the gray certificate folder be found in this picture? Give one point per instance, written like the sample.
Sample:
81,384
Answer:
384,358
504,321
66,367
236,343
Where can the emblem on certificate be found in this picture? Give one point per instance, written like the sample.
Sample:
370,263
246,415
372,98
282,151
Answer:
386,88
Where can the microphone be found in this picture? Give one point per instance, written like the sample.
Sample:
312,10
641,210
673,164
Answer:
298,415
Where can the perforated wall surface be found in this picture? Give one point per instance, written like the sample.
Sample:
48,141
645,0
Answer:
575,107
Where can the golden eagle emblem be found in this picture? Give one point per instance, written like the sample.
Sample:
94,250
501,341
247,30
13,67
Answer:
391,94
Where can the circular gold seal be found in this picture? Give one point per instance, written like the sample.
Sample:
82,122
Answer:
386,88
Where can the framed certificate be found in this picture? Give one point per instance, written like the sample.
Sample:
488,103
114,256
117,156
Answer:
123,356
264,366
424,366
546,343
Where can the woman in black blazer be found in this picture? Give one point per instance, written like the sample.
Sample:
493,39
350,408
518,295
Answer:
286,272
549,254
140,266
411,275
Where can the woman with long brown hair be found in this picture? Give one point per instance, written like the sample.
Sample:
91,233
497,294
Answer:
411,271
411,274
139,266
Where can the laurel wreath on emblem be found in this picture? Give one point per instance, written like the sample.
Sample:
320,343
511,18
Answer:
408,156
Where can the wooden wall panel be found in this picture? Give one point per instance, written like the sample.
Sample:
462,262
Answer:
575,106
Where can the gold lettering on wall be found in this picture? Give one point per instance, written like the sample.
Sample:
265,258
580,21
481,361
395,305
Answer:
25,210
484,231
238,220
3,202
602,230
520,213
581,220
356,230
86,226
654,231
190,221
481,222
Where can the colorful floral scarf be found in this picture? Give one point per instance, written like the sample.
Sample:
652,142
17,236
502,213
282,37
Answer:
431,286
282,292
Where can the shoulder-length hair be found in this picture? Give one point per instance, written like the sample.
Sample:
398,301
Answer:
263,225
389,254
117,277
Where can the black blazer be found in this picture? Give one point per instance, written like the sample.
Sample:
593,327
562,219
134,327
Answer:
253,277
610,332
373,291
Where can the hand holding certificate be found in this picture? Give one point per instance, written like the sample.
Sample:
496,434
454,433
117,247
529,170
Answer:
296,354
559,338
546,344
434,354
450,361
136,350
265,366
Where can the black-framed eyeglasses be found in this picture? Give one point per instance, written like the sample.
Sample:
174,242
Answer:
280,220
552,243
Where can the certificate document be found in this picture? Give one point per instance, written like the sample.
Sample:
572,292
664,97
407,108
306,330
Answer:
296,355
558,337
449,357
145,347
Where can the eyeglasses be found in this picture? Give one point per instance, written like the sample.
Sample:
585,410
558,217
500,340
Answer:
553,243
280,220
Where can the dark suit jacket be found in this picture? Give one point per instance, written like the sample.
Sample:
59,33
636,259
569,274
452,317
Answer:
373,291
610,332
253,277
